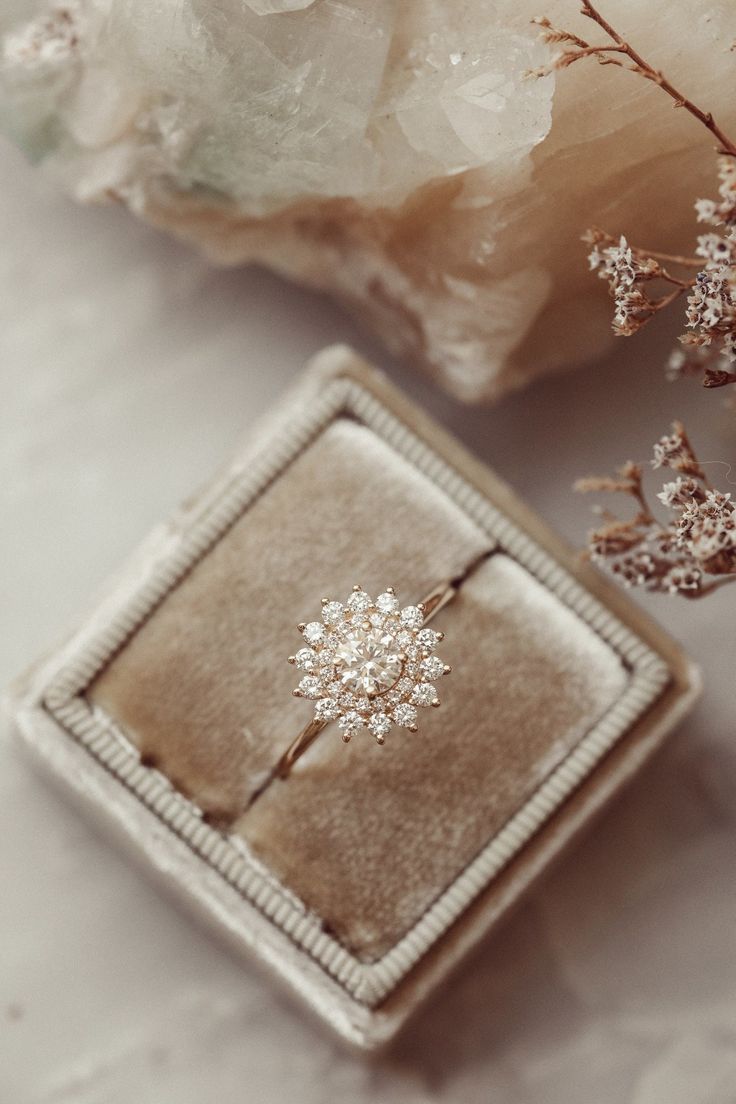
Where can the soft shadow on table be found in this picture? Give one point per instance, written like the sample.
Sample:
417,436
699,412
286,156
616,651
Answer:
591,939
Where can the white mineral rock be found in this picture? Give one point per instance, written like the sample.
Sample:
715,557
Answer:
390,152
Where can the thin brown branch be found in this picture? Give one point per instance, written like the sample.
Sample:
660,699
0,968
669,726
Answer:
695,468
671,258
718,377
683,285
660,304
708,588
554,34
726,146
645,517
595,51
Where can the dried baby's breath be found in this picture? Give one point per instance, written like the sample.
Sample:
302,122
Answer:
644,282
692,550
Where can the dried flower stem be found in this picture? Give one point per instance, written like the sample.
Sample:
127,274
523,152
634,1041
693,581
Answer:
694,552
716,585
660,304
639,65
708,347
673,258
718,377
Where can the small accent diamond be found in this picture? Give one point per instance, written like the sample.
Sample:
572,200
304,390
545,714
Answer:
359,601
412,617
387,603
379,724
405,715
326,709
306,659
350,721
332,613
314,632
432,667
428,639
310,686
424,694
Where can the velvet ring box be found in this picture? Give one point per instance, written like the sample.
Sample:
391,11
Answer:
369,872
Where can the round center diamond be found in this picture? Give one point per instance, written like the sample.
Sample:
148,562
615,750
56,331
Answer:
368,660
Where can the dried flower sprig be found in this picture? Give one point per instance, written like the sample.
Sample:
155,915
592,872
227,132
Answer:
629,271
692,552
708,346
619,52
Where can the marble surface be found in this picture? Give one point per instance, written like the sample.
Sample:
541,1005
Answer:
129,369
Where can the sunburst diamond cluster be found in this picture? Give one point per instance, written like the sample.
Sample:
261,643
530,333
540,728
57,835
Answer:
369,664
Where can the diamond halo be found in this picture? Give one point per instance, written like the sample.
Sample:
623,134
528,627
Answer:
368,664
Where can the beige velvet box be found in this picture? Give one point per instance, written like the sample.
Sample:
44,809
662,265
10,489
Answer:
363,878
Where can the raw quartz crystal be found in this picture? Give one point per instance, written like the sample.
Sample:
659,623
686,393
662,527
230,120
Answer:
393,153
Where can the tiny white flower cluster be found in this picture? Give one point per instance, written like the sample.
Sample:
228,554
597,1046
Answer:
723,213
707,530
717,250
678,493
635,569
619,264
667,449
711,308
625,270
682,578
710,344
694,551
708,348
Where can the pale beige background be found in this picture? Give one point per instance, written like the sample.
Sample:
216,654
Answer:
128,370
